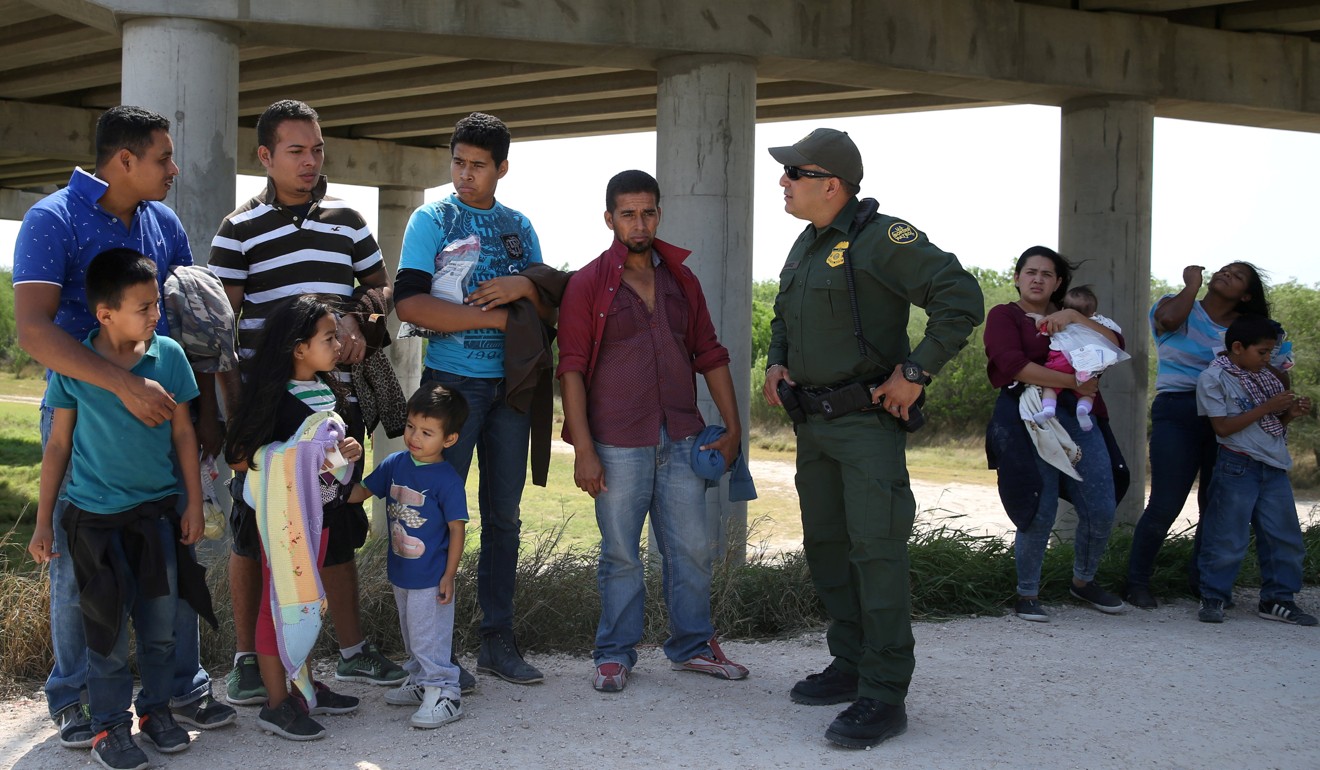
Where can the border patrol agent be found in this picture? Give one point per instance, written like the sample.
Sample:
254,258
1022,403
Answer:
852,481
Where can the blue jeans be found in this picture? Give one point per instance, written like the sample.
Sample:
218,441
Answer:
500,435
1093,497
658,479
1182,448
1245,492
109,678
68,675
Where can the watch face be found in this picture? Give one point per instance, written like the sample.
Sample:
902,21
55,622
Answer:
911,372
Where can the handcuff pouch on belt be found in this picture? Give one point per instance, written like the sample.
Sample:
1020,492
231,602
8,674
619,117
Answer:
833,403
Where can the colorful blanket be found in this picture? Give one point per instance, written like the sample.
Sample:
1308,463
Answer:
284,490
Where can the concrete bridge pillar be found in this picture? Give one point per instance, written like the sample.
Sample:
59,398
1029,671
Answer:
187,70
705,138
1105,218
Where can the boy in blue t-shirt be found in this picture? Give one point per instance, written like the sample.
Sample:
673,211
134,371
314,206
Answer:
1249,409
125,540
427,512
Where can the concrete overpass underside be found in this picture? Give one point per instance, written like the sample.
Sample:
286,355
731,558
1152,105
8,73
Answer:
390,78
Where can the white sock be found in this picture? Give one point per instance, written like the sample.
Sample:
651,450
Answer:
239,656
348,652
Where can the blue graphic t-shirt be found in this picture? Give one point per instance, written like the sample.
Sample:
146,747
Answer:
508,245
421,500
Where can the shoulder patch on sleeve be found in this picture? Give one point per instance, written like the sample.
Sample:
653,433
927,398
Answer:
902,232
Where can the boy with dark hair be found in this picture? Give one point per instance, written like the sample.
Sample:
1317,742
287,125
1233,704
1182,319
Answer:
1249,409
469,356
117,206
427,512
127,546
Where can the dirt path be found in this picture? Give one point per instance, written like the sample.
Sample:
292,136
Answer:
1139,690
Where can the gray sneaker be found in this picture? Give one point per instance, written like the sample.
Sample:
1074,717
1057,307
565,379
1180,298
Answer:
1097,597
1031,609
75,725
1212,611
205,713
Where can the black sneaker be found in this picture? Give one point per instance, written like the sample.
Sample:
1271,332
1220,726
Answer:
330,702
1212,611
370,667
289,720
1031,609
867,722
467,683
160,730
75,725
1098,597
1141,598
1286,612
500,656
114,749
205,713
828,687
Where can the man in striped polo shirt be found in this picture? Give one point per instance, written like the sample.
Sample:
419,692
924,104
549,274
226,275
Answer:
293,239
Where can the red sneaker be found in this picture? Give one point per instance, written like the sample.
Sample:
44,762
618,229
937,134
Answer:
716,664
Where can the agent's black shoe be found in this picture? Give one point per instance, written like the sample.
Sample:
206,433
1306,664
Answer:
867,722
826,688
1141,598
500,656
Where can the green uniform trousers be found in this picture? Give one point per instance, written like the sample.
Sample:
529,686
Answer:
857,514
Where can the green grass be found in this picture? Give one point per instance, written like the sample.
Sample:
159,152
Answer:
26,386
20,471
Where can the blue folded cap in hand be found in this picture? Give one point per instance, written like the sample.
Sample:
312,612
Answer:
709,465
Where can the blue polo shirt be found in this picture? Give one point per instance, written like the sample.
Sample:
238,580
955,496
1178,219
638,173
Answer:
63,232
118,462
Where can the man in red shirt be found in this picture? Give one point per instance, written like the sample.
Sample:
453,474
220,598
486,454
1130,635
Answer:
633,333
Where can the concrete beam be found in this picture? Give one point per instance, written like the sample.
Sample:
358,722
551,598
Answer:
84,72
15,203
46,131
49,39
993,50
1289,17
68,134
364,162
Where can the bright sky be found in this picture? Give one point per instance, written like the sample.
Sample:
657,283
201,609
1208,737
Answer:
982,183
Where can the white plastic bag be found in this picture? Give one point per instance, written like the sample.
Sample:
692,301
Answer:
1089,351
453,266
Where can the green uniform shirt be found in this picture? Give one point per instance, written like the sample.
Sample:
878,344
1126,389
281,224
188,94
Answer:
895,267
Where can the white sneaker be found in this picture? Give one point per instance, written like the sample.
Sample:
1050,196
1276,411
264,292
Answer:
406,694
435,710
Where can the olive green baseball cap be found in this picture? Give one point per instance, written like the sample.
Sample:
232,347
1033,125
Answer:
832,150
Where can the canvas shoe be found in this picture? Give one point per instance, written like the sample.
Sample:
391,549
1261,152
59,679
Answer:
716,664
406,694
1097,597
160,730
75,725
243,685
1287,612
114,749
290,720
435,710
205,713
370,667
1031,609
828,687
611,677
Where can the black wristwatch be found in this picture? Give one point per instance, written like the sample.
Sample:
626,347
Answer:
912,372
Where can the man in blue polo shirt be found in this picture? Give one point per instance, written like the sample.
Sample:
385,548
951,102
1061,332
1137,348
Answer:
118,206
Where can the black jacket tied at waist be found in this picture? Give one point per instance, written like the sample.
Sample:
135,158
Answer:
102,580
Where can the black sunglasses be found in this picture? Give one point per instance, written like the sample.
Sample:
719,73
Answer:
795,173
